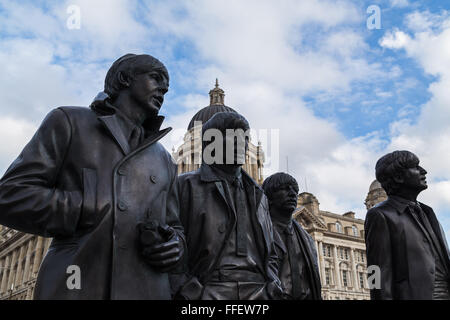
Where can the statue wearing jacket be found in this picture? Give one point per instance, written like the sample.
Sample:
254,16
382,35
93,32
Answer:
403,236
100,184
299,270
231,253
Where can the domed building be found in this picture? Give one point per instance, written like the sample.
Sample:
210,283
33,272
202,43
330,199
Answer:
189,155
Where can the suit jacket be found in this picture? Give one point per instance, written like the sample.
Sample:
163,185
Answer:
309,251
78,181
398,244
208,218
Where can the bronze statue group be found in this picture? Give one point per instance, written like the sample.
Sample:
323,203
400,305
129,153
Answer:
100,184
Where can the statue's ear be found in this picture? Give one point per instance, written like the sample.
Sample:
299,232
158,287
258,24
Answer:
398,178
123,79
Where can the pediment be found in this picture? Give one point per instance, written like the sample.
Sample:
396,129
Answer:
307,219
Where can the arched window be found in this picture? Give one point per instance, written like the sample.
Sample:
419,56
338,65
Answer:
338,227
355,231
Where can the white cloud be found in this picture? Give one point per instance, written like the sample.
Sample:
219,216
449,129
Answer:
394,40
399,3
14,134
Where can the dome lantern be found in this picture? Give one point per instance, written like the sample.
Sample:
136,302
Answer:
216,95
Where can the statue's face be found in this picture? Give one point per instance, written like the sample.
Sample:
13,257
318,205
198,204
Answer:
414,178
284,199
148,90
239,141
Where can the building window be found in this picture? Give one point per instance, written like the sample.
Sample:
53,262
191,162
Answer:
341,252
355,231
362,256
338,227
344,278
327,276
361,280
326,249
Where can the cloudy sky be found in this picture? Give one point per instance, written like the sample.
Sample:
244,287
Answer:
339,94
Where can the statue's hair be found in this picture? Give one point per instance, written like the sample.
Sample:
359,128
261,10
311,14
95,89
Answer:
223,121
392,164
277,180
131,65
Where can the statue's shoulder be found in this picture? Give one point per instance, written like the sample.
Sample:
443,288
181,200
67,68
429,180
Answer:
74,112
186,176
385,210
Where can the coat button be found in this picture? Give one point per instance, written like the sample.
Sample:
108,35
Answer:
122,206
153,179
432,271
222,228
121,171
425,240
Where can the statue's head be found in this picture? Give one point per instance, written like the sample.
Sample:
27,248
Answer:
143,77
225,139
281,190
400,172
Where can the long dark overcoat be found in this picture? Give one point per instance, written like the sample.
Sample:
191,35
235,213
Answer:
208,217
78,182
397,243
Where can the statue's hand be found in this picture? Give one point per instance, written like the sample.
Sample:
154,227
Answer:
167,254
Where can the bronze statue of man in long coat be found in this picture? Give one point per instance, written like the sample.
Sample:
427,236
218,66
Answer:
404,239
231,252
100,184
299,270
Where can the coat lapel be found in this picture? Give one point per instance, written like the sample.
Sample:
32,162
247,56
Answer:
111,124
219,187
254,196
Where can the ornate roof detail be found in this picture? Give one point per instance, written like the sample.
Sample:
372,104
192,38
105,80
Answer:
216,105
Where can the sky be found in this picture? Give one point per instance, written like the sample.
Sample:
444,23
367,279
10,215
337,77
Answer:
336,89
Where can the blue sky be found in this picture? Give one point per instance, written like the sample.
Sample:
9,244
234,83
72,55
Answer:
339,94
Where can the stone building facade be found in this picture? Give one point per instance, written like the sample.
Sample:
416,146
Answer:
21,255
340,247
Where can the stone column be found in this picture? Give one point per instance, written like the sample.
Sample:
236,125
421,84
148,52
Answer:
26,272
321,263
12,270
37,256
355,273
18,279
255,171
337,272
5,275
